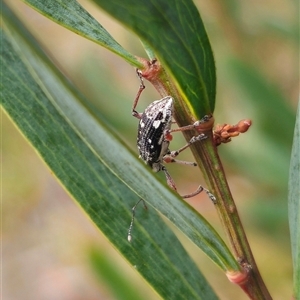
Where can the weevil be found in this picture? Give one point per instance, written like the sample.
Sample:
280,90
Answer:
155,134
153,139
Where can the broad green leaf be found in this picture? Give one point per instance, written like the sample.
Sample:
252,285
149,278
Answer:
294,205
70,14
174,29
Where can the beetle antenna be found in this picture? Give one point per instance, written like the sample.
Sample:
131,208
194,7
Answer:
129,236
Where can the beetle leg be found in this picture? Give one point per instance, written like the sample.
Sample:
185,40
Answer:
136,114
170,180
200,188
198,123
136,100
198,191
193,140
167,135
170,159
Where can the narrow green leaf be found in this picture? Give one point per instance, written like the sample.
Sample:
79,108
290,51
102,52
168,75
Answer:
107,147
93,166
174,29
294,205
101,194
118,282
70,14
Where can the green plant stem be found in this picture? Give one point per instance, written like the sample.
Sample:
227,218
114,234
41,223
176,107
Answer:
207,157
208,160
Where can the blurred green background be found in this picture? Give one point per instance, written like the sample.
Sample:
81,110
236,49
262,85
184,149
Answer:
47,239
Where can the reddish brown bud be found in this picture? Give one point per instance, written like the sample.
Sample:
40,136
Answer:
224,133
238,278
244,125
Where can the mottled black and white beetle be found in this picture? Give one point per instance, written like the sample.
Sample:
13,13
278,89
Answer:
154,136
153,139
